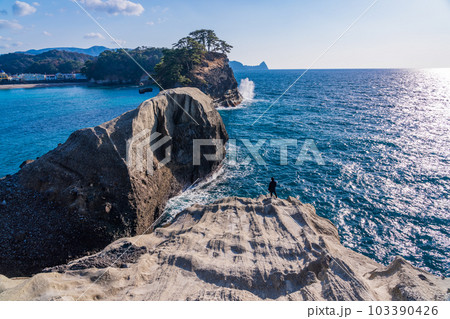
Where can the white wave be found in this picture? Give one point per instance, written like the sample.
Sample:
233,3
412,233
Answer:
247,89
216,186
228,108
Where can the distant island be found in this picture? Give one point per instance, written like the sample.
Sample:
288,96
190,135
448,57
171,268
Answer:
93,51
238,66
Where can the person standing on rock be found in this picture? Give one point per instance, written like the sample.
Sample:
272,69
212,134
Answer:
272,188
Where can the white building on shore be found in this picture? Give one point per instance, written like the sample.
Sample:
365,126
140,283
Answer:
36,77
28,77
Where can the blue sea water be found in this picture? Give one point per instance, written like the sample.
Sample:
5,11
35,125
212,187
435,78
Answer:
34,121
383,136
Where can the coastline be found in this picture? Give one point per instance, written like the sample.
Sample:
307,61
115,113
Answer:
40,85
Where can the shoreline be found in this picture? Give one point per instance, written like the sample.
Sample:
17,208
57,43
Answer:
40,85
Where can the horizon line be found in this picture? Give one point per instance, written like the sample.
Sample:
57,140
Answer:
354,68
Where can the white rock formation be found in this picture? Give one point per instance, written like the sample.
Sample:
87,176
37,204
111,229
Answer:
233,249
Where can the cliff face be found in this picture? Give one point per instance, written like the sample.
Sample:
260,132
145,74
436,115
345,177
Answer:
233,249
83,195
216,78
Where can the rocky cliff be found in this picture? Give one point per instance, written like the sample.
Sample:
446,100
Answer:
83,195
233,249
216,78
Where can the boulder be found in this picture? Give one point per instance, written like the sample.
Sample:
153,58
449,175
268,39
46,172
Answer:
103,183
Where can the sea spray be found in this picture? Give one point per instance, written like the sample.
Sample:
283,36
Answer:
208,190
247,89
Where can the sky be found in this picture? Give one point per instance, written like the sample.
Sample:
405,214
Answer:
291,34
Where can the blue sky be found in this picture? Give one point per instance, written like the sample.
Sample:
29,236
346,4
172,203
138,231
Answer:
285,34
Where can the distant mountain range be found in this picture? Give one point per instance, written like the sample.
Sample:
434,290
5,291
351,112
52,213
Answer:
238,66
94,51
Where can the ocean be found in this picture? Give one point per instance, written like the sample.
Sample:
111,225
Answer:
374,149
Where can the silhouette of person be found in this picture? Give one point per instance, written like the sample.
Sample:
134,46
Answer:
272,188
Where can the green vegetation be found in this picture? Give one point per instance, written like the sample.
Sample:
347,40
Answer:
117,66
171,67
207,39
176,65
50,62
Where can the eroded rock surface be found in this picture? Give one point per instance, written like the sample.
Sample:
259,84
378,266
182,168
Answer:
215,77
233,249
81,196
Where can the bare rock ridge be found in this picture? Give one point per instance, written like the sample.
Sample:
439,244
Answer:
233,249
81,196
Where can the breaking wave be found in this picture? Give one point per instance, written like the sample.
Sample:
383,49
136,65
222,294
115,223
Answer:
247,89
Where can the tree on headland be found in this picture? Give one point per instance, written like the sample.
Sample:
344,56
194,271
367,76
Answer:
177,63
171,67
207,39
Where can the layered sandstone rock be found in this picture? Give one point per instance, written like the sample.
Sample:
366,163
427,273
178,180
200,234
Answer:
233,249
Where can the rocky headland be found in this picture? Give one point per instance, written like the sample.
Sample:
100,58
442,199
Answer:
83,195
200,60
215,77
233,249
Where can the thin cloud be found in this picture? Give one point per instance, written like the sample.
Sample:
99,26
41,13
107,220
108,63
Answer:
6,24
22,9
120,42
162,20
94,35
48,34
159,9
158,21
9,45
114,7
